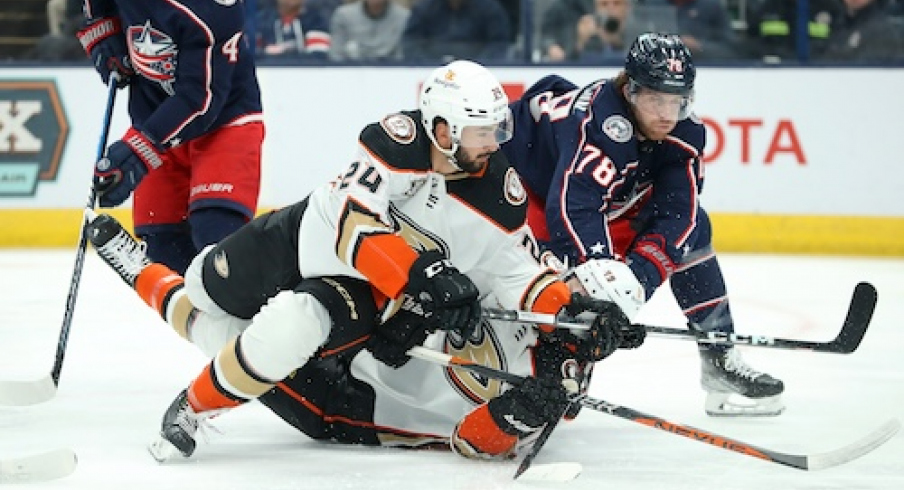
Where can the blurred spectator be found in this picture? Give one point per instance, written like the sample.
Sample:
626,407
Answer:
326,8
512,10
64,17
368,30
439,31
772,27
606,33
705,28
558,32
896,8
601,33
290,29
867,33
58,14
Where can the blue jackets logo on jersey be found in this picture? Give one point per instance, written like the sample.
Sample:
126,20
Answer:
153,54
618,128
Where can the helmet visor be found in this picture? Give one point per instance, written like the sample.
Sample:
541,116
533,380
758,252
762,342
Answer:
670,106
488,135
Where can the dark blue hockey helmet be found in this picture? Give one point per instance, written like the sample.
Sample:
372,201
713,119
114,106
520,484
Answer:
661,62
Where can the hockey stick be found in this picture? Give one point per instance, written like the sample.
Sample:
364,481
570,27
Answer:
39,467
535,448
799,461
41,390
859,315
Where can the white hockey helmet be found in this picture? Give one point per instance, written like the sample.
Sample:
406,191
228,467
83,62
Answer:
612,280
464,93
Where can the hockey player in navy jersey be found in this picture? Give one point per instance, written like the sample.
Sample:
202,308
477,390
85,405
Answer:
427,219
193,153
614,173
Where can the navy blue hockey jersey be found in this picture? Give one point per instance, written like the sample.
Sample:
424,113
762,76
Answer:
194,70
576,148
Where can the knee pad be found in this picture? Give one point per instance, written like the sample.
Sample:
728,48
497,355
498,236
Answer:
210,332
284,334
194,285
213,327
210,225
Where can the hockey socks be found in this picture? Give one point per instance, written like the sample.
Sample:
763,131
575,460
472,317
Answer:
164,291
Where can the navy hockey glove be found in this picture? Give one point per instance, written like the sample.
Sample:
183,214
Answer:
105,44
449,298
650,263
390,341
127,162
609,331
525,408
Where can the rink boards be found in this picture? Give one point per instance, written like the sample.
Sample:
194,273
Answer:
796,162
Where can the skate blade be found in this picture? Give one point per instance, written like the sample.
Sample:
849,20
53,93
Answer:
163,450
734,405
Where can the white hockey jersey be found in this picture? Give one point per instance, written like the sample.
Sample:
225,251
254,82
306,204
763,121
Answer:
373,220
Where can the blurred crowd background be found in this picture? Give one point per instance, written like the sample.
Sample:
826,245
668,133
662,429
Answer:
379,32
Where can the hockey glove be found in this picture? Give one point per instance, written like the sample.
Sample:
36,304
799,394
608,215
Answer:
448,297
650,263
389,342
609,331
127,162
105,44
527,407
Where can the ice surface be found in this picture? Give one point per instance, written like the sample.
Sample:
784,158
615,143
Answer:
123,367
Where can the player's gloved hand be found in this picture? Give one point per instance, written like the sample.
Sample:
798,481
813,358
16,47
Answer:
390,341
449,298
527,407
127,162
105,44
650,263
609,331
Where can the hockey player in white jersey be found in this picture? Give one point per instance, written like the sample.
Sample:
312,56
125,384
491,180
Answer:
426,219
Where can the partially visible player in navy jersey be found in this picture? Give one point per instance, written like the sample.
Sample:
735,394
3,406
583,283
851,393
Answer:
614,173
193,153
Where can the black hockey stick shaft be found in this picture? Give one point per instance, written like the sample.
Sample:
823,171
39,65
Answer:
857,320
76,280
538,445
802,462
488,372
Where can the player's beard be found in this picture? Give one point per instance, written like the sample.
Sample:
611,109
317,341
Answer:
657,129
472,165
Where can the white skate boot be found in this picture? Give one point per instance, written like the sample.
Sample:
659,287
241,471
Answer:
734,389
117,247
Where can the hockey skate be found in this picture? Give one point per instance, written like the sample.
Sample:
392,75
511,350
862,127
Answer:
734,389
117,247
178,429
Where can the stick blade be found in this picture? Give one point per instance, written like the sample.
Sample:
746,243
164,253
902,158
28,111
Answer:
23,393
551,472
856,449
38,467
859,315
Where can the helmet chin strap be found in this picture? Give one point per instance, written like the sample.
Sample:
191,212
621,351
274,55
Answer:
450,154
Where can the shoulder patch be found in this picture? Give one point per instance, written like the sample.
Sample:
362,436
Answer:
399,127
514,190
618,128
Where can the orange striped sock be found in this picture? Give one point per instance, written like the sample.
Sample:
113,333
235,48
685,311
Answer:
164,291
205,393
155,284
